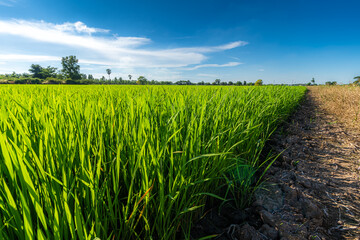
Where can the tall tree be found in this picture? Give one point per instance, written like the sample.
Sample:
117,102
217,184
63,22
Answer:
108,71
130,77
217,82
36,70
71,69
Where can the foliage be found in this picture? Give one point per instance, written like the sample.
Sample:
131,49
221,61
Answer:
42,73
184,82
71,81
217,82
126,162
27,81
329,83
142,80
71,69
357,80
36,70
108,71
53,81
259,82
312,82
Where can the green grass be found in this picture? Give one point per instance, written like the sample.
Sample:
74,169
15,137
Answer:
127,162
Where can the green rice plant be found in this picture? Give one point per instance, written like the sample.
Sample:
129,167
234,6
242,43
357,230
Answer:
126,162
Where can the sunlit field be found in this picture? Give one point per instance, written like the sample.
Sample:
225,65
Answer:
128,162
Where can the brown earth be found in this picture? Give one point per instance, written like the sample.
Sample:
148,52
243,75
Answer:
313,189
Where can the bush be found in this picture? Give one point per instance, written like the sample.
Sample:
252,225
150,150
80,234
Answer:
51,80
20,81
70,81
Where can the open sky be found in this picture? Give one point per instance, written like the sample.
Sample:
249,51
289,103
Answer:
279,41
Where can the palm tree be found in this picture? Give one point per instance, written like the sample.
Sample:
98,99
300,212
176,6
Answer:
130,76
108,71
357,81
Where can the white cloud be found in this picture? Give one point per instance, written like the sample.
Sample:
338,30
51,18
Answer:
7,3
120,52
216,48
27,58
207,75
261,70
230,64
78,27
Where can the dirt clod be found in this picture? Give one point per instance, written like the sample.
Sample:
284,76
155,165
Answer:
269,232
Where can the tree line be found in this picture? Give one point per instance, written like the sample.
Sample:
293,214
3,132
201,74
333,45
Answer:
70,74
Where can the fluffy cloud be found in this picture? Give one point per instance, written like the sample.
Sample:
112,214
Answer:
100,48
78,27
230,64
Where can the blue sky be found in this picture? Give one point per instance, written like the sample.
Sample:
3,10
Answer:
278,41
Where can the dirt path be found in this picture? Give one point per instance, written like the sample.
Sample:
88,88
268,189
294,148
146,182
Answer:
313,189
319,175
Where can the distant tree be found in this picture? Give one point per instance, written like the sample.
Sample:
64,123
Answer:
141,80
184,82
48,72
129,76
201,83
36,70
71,69
230,83
83,76
259,82
313,81
15,75
357,80
217,82
25,75
108,71
245,83
90,77
43,73
238,83
331,83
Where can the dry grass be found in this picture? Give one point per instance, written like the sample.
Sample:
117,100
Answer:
341,101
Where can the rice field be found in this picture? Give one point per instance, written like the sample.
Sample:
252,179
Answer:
128,162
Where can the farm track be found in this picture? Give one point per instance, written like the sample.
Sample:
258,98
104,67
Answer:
318,174
312,190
